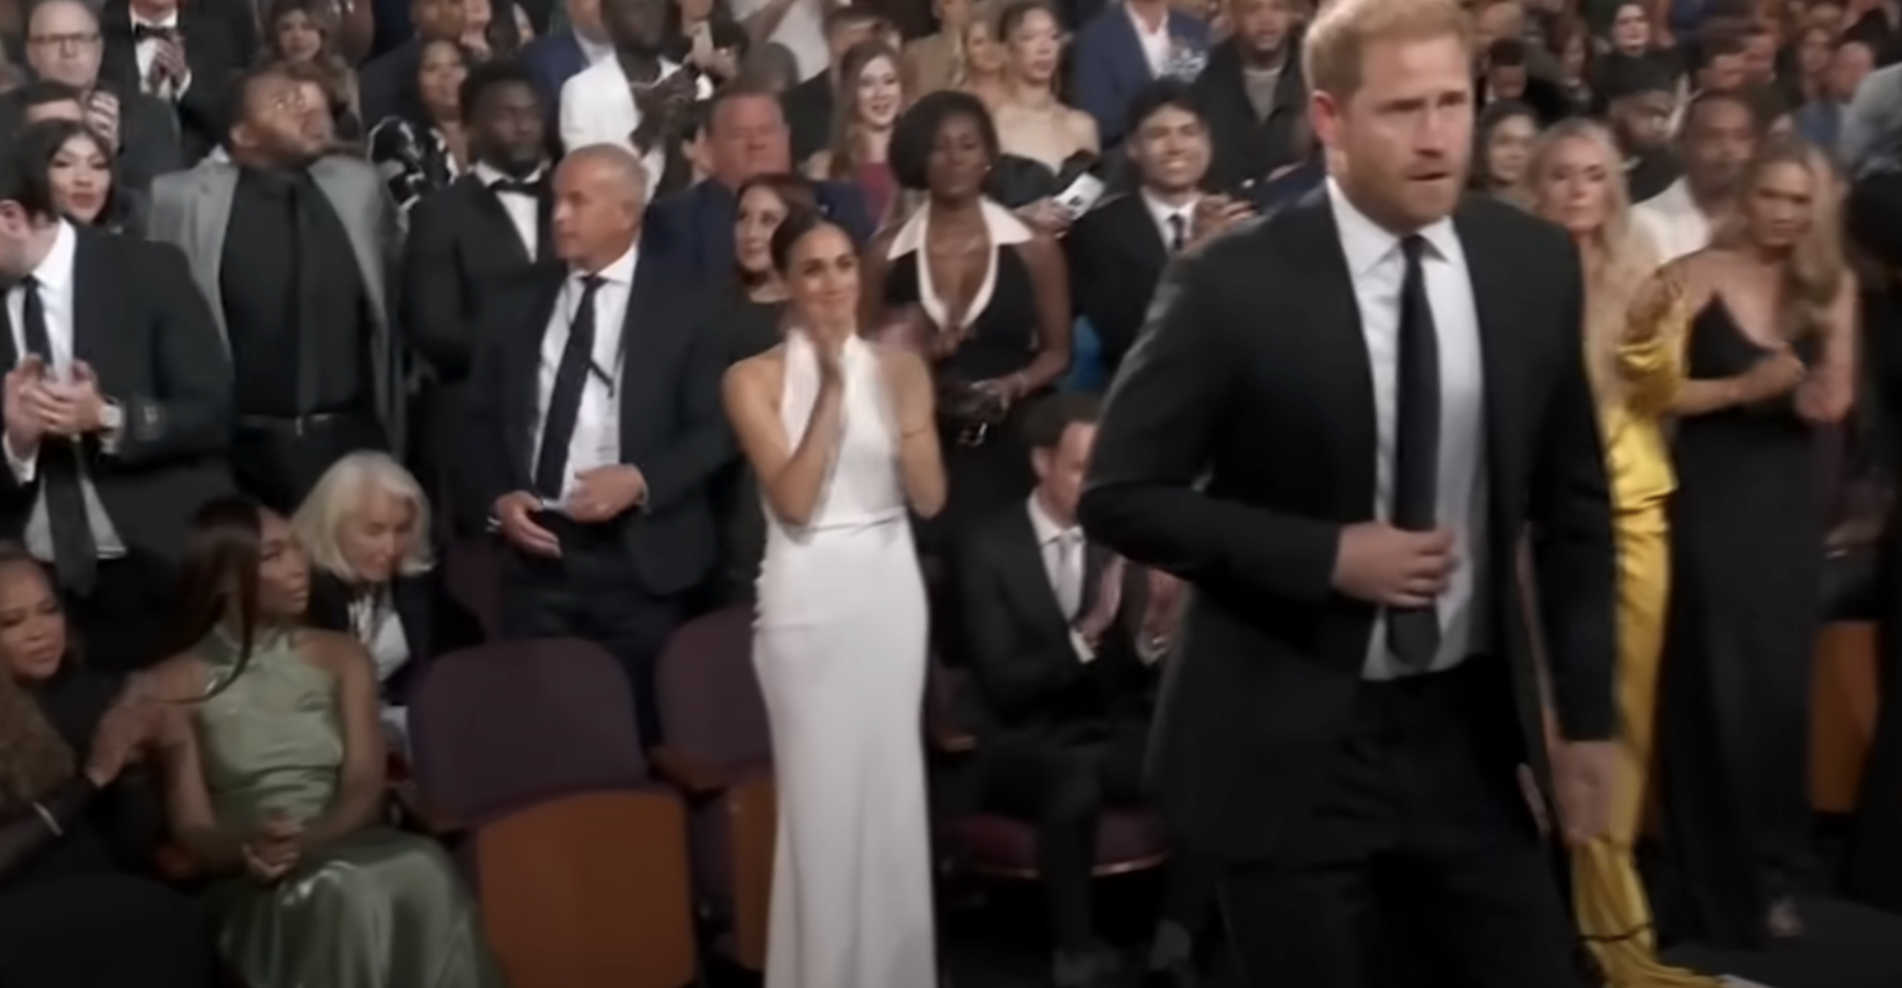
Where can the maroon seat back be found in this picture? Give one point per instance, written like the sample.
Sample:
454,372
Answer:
502,725
472,570
710,702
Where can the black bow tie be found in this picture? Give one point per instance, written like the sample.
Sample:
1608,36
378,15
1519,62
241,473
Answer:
150,32
517,186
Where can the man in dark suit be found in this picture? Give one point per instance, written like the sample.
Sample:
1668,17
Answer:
558,56
184,54
1254,94
808,106
1118,250
594,427
1338,426
1064,640
117,412
746,136
64,46
1126,47
471,249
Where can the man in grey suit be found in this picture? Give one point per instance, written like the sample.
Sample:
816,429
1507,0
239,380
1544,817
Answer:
294,250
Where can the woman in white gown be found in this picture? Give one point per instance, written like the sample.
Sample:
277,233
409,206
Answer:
842,437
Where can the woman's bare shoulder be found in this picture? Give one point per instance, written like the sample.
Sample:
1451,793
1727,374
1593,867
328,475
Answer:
762,370
333,650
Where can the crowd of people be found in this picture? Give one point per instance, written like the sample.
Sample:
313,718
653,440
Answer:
1497,404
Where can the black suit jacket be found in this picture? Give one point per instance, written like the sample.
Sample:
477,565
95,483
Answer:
1116,257
149,142
1239,440
149,336
464,265
1245,147
434,622
213,39
1032,685
672,425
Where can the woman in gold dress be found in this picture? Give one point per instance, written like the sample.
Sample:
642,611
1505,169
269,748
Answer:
277,790
1632,329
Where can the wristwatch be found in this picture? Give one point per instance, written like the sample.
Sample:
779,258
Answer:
111,417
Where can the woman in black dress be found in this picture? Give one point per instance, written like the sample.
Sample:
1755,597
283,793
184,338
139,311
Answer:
994,298
74,822
1768,358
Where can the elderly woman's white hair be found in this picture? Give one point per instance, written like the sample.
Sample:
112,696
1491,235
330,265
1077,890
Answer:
340,491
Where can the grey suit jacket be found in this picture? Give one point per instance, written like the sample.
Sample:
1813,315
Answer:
192,209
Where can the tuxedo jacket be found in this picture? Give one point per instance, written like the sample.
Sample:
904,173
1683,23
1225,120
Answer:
1240,439
1032,684
1116,255
140,323
673,427
434,622
219,39
464,265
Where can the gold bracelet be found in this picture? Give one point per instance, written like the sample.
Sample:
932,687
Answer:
46,817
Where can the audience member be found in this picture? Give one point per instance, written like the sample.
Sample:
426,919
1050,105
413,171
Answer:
796,26
1720,135
365,527
559,56
708,41
1033,124
78,165
594,440
425,148
181,53
1820,121
871,96
470,264
841,437
984,62
388,82
634,99
939,60
78,819
63,45
994,296
117,409
1718,62
1640,98
810,106
304,32
1502,150
1065,641
291,247
1104,78
1252,94
330,112
276,787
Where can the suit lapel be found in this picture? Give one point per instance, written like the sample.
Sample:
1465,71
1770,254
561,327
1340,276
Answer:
217,186
1020,559
1343,380
1138,233
488,206
1491,276
91,309
644,335
363,239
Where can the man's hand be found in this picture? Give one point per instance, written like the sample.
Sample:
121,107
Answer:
1394,567
1582,779
74,408
102,115
1215,213
605,492
517,512
24,424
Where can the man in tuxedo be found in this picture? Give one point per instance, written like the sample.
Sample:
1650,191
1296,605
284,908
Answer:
63,45
1338,426
293,249
1064,641
746,136
184,54
594,427
1118,250
472,251
117,412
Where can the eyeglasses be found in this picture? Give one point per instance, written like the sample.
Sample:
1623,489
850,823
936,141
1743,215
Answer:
65,42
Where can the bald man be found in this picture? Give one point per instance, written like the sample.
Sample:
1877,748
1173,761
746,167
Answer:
595,428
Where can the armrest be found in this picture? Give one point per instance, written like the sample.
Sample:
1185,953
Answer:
697,776
174,864
420,814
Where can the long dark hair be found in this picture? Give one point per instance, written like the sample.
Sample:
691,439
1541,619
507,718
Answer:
40,143
224,550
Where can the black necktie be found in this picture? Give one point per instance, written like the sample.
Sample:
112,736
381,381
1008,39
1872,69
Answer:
564,402
1178,229
75,554
303,198
1413,634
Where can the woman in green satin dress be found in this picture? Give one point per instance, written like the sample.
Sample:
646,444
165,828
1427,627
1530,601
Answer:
278,786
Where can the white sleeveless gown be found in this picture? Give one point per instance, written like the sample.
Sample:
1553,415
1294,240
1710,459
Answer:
840,649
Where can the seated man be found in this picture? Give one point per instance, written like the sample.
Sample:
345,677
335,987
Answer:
1064,640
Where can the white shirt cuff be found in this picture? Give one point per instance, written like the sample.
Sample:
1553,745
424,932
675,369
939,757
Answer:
24,468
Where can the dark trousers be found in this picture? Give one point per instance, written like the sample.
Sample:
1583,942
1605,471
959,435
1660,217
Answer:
277,461
1418,837
1062,785
125,622
594,593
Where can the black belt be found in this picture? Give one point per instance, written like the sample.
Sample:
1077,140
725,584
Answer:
297,425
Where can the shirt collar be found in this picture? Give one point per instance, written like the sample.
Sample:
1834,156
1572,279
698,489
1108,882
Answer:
1368,244
55,270
1161,211
1046,528
169,20
621,272
593,51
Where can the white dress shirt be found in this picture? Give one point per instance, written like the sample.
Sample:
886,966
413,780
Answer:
146,52
597,437
1674,222
1062,550
55,277
1378,268
597,107
523,211
1157,46
1163,213
594,51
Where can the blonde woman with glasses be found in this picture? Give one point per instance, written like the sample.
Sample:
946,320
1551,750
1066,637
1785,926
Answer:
365,527
1632,332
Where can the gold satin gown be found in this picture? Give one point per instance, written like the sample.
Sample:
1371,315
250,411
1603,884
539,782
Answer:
1613,914
379,909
